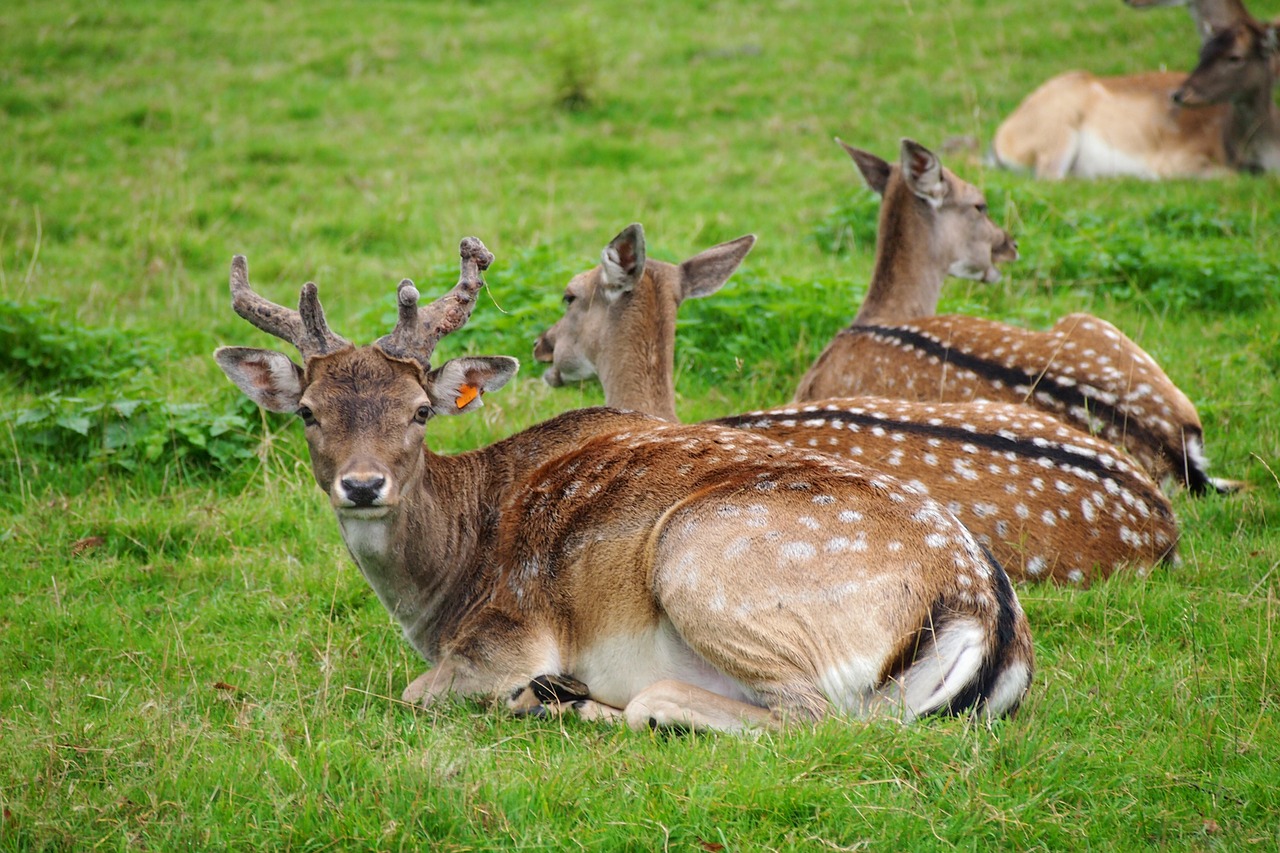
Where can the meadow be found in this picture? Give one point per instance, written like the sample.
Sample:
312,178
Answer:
192,661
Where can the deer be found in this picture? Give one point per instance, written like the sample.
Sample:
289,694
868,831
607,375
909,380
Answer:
1238,67
1147,125
624,567
1083,370
1049,501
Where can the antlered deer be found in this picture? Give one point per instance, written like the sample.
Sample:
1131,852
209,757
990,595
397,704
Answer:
1050,502
1083,370
692,576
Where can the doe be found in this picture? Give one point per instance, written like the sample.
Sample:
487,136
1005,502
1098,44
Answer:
1050,501
1084,370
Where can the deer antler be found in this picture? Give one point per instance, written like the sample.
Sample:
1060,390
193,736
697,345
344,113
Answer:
417,332
305,328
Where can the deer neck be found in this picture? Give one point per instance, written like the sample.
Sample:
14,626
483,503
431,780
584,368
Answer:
638,366
907,279
416,558
438,556
1252,132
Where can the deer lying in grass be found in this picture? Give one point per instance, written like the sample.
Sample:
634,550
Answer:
1083,370
1049,501
1153,125
691,576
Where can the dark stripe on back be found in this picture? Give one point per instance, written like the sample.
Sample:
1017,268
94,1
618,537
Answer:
1071,395
1023,447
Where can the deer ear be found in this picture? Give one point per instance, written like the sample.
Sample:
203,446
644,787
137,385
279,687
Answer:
457,385
706,272
623,261
874,170
923,172
267,377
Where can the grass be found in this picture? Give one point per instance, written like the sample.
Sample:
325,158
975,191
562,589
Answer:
192,660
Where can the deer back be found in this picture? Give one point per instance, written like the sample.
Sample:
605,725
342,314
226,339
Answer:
1080,125
1084,371
1051,502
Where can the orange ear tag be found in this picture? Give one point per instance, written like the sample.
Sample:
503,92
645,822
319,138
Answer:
466,394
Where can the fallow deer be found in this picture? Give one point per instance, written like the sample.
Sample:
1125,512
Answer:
1083,370
1148,125
1238,68
1080,125
1050,502
689,575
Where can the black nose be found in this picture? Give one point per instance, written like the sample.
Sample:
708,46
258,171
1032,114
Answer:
363,491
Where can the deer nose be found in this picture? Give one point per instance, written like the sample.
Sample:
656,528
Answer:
363,491
543,349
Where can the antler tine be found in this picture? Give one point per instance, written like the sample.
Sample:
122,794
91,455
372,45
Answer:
418,330
305,328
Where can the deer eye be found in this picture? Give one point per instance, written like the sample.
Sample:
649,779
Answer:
981,207
568,298
305,413
423,413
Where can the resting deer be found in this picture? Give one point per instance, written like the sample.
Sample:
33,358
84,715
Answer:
1083,370
1238,67
690,575
1147,125
1049,501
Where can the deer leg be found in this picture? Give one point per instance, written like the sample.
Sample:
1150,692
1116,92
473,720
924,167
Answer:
680,705
431,685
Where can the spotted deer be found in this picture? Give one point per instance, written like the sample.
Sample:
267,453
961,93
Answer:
673,575
1083,370
1050,502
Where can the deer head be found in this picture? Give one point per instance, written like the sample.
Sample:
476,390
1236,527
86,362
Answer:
622,313
365,408
1236,66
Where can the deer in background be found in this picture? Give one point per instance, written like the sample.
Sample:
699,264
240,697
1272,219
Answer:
1238,67
1083,370
675,575
1049,501
1147,125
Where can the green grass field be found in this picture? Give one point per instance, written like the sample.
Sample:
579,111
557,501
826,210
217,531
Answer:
191,659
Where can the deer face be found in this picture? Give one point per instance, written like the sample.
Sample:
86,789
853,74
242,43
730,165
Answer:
938,209
968,239
364,416
627,300
1234,64
364,409
570,345
364,413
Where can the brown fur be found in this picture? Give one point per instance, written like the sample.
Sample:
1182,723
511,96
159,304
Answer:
1083,370
1050,501
668,568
